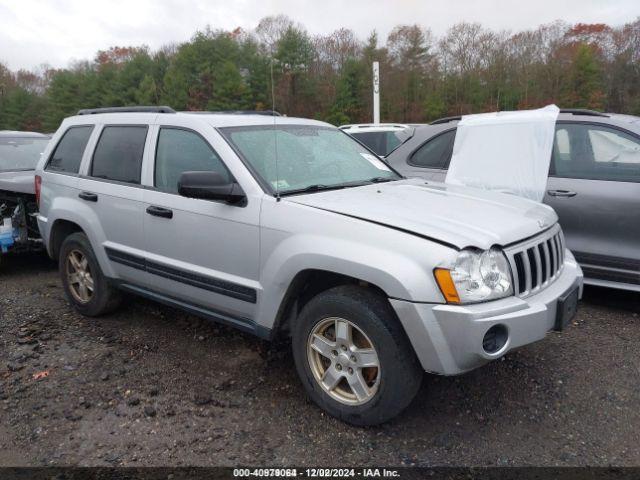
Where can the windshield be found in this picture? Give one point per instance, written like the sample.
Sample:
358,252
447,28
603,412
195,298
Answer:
309,157
21,153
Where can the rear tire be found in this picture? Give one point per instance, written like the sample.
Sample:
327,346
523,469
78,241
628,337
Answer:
343,379
85,286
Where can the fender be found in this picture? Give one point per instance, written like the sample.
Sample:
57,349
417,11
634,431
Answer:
398,275
72,210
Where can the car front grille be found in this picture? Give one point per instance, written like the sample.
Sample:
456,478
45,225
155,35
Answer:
537,262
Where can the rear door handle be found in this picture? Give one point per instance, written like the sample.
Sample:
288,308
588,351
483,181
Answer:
561,193
88,196
160,212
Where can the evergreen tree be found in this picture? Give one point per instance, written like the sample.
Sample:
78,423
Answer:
348,107
294,55
147,92
584,86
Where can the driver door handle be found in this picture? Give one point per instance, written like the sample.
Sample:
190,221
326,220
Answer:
561,193
88,196
159,212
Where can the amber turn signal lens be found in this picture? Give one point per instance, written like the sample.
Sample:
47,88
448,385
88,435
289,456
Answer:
447,287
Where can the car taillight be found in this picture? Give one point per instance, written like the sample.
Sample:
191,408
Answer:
38,185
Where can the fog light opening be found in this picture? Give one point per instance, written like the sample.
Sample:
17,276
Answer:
495,339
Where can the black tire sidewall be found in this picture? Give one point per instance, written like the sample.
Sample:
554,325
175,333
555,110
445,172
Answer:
400,372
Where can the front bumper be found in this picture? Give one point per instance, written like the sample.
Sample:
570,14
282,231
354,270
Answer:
448,338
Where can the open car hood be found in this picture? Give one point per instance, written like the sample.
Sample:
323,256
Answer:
505,151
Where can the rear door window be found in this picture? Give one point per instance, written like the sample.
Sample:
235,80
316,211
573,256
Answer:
435,153
118,154
595,152
68,153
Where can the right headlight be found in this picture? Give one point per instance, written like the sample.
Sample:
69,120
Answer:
476,276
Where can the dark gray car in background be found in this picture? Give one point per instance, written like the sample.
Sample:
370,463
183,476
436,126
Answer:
594,186
19,154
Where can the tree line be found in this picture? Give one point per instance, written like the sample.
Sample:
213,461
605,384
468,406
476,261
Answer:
328,77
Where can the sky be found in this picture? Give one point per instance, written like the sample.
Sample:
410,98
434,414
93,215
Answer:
58,32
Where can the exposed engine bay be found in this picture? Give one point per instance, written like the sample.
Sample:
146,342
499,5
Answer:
18,223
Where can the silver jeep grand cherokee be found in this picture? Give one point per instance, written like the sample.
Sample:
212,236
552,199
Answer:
289,228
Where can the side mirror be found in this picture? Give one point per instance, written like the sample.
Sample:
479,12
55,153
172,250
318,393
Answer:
210,186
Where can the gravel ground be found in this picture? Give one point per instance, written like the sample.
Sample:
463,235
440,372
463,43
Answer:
150,385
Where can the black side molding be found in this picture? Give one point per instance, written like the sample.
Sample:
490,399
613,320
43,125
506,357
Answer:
215,285
611,276
133,261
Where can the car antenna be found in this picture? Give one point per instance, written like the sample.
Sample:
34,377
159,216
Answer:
275,133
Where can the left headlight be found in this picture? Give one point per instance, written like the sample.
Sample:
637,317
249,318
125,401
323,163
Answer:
476,276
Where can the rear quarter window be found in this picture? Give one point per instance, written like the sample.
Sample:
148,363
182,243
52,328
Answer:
436,152
67,155
118,154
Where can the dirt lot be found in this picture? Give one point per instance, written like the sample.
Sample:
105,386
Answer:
150,385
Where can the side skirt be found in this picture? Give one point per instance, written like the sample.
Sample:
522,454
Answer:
244,324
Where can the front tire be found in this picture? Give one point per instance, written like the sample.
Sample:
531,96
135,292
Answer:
353,356
85,286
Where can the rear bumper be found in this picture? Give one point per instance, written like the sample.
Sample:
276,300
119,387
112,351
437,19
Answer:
44,227
448,338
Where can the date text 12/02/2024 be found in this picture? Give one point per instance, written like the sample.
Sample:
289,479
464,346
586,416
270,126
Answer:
316,472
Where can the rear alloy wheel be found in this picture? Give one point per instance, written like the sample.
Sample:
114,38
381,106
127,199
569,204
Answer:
79,276
89,291
353,357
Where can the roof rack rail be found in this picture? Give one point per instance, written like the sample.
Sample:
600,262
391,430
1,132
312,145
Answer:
271,113
583,111
93,111
446,120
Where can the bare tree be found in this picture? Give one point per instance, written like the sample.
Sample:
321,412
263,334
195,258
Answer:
270,30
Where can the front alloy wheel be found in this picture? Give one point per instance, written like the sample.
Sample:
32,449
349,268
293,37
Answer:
344,361
353,357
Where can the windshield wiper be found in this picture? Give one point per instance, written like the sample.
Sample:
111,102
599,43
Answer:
317,187
374,180
320,187
381,179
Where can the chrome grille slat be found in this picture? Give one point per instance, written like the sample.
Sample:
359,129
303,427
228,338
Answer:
554,248
527,272
544,251
514,271
538,279
547,260
558,249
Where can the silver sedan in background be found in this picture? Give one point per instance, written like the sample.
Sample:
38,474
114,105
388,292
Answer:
594,186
